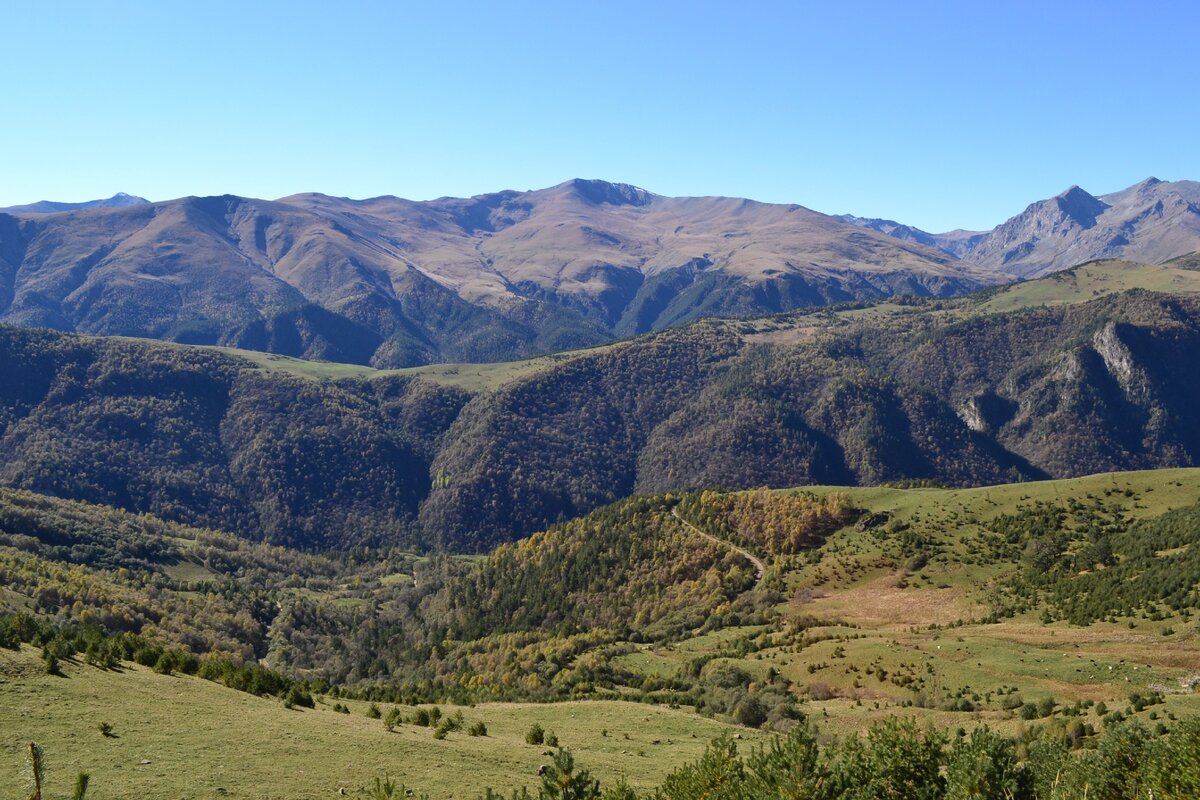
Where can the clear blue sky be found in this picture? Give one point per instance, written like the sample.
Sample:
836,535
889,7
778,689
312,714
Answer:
938,114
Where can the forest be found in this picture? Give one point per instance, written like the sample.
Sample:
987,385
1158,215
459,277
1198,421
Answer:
931,390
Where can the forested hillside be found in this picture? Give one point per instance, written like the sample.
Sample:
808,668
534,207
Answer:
1038,380
196,436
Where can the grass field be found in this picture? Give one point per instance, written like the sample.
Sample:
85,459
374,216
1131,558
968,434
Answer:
183,737
470,377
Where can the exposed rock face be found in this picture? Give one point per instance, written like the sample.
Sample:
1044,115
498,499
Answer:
1115,354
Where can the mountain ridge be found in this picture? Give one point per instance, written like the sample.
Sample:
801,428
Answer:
1151,221
118,200
392,282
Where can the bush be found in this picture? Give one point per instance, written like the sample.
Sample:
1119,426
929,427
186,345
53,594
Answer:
394,717
820,691
298,697
477,728
106,730
551,739
165,664
750,712
373,712
535,735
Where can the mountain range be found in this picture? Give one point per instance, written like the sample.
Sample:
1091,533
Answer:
393,283
1151,221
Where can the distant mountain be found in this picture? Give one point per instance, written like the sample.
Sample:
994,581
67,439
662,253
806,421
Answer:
1152,221
392,282
894,229
118,200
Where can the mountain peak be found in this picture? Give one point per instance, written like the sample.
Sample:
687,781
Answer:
601,192
1080,206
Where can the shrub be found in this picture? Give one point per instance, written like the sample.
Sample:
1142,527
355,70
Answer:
106,730
750,712
820,691
165,664
373,712
536,734
551,739
985,765
394,717
298,697
477,728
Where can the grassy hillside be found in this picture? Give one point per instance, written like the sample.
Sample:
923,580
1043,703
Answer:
178,736
473,378
900,615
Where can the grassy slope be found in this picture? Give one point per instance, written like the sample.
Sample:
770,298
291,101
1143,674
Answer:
202,740
1092,280
1077,285
888,613
469,377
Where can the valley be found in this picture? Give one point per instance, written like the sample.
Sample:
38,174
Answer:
876,602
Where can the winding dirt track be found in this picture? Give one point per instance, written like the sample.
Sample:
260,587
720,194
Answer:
759,566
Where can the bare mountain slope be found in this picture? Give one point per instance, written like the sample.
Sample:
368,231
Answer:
393,282
1152,221
118,200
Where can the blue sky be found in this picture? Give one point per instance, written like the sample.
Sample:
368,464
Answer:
942,115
